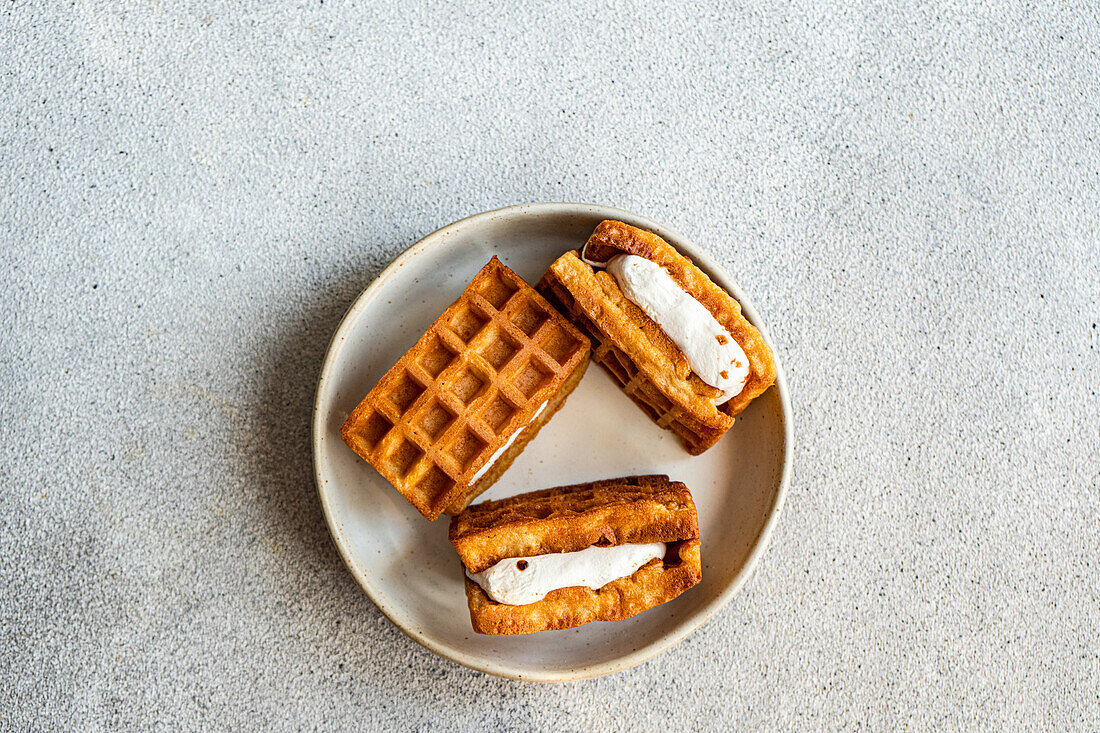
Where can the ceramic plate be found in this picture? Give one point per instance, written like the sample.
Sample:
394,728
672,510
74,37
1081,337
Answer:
405,563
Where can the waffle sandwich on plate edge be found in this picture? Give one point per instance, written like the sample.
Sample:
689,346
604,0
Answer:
559,558
451,416
674,340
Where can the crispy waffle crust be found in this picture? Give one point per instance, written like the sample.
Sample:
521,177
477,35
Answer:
638,509
651,585
479,374
636,352
635,509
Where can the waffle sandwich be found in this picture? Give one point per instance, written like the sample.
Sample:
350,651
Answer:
562,557
675,341
449,418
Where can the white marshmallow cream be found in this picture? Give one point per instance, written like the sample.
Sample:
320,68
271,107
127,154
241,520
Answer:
711,351
519,580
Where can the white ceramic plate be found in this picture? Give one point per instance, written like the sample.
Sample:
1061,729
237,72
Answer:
405,563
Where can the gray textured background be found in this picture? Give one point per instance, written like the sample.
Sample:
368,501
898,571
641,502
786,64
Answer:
193,195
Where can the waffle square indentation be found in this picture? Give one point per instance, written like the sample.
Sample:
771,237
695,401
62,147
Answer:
497,291
375,428
404,392
467,323
467,386
529,318
500,350
435,357
405,457
435,482
559,345
532,377
436,419
498,413
467,447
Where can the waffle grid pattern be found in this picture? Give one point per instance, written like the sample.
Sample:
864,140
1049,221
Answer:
478,374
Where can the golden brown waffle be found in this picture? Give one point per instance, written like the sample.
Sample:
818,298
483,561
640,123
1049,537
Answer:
651,585
639,509
634,509
480,373
636,352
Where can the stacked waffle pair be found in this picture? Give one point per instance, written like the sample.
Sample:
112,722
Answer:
448,419
453,413
675,341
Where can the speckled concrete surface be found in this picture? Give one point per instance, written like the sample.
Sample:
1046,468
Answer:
193,195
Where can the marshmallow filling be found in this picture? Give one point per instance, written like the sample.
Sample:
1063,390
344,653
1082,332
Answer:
714,355
516,581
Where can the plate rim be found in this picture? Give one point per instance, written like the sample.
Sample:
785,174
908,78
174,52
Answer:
669,639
